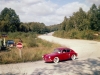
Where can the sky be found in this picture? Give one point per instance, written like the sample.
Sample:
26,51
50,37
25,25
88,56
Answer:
49,12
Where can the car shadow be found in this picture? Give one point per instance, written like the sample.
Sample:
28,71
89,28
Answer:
78,67
63,60
90,66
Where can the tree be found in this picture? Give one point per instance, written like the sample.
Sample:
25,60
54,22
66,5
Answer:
9,20
63,25
80,20
70,24
93,18
98,17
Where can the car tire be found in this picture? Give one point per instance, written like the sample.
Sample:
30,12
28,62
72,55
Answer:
56,60
73,57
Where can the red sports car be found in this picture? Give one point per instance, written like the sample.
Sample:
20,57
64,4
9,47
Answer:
60,54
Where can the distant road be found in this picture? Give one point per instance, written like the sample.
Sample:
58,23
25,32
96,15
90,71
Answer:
85,48
88,62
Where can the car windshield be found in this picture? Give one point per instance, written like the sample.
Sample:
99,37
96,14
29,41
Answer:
10,41
56,50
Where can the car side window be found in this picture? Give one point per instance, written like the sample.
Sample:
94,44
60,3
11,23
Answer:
68,50
64,51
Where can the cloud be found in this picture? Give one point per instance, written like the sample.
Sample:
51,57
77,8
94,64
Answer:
40,12
31,1
43,11
97,2
68,9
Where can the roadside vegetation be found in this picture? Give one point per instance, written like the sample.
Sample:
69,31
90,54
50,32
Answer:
75,34
81,25
33,48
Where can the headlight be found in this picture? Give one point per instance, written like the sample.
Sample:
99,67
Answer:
49,57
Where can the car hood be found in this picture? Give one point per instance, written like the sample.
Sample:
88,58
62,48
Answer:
51,54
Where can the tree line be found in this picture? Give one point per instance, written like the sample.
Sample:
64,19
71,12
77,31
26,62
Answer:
81,25
34,27
10,22
82,20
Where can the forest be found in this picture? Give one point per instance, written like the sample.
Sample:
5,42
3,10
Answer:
81,25
79,21
82,20
10,22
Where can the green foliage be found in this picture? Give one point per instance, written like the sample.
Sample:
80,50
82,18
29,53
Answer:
59,33
9,20
52,28
93,18
34,27
82,20
44,43
81,25
33,48
64,23
32,43
29,39
75,34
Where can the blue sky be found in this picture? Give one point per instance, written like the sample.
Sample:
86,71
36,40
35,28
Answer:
46,11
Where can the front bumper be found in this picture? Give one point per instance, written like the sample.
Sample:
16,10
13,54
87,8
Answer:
47,59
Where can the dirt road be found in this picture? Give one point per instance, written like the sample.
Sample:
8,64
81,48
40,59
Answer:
88,62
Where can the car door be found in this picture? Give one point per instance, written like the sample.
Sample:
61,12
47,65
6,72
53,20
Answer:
68,53
65,54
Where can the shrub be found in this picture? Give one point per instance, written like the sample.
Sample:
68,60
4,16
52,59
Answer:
32,43
75,34
33,48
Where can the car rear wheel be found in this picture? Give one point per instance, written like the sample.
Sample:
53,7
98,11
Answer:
73,57
56,60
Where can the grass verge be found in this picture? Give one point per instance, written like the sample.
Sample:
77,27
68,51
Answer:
33,49
75,34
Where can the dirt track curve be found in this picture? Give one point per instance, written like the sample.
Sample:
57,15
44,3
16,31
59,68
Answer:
88,62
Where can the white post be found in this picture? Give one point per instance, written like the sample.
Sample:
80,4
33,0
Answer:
4,43
20,53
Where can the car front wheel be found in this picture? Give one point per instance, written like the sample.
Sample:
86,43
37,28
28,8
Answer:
73,57
56,60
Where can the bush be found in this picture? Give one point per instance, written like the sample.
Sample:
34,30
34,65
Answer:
44,43
33,48
32,43
88,34
75,34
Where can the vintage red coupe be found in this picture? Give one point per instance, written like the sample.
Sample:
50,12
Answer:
60,54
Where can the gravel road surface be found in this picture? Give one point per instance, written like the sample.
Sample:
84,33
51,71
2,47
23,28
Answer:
88,62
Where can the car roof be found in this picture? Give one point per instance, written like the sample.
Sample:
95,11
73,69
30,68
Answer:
10,40
62,48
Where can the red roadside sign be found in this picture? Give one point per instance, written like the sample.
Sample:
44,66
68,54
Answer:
19,45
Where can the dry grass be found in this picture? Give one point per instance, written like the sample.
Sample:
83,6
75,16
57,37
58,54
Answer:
27,54
75,34
33,48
